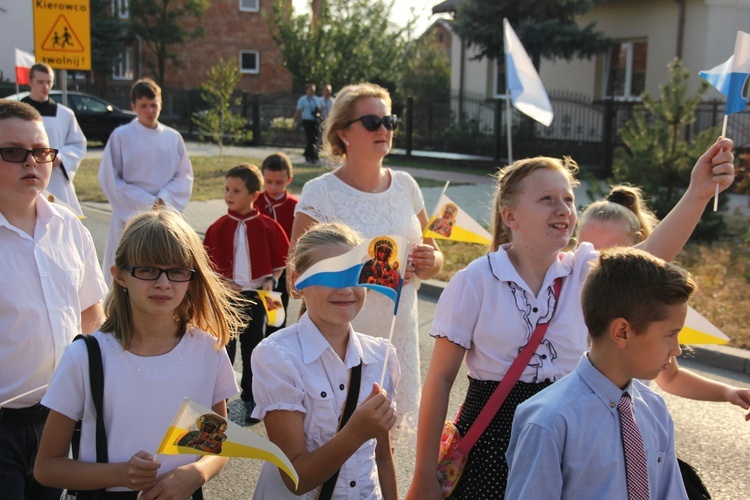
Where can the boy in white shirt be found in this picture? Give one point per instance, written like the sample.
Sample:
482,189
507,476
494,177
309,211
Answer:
144,163
52,290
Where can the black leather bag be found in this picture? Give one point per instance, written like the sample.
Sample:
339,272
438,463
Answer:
694,486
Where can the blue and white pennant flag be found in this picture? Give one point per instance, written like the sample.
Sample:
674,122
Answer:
729,78
378,264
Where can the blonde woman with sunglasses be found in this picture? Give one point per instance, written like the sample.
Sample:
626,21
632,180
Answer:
374,201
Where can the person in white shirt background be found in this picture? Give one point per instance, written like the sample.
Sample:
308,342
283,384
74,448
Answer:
144,163
63,132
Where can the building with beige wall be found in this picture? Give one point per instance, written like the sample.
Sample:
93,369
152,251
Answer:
646,35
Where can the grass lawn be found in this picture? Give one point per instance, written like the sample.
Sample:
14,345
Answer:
722,269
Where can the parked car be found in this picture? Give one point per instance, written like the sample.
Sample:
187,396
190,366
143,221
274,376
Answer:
97,117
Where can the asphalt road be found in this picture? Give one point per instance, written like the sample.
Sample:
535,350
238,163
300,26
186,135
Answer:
713,437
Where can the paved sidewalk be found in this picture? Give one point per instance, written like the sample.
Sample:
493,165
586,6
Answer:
473,193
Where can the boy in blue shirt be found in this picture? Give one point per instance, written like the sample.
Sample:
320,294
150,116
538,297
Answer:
576,438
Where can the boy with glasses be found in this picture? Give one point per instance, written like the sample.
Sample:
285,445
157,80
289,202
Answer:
52,290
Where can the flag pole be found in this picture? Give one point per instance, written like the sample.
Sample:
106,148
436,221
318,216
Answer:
22,395
716,188
388,351
509,121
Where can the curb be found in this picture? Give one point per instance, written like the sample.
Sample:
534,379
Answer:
717,356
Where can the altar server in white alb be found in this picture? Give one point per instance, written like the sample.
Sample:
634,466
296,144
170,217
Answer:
64,135
145,163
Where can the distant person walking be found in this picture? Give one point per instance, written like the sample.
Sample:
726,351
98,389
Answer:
144,163
326,102
64,134
308,110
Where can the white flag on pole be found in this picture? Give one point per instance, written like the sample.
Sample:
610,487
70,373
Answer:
526,89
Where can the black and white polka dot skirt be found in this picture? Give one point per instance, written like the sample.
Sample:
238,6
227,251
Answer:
486,473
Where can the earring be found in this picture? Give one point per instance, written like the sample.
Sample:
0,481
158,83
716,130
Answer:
124,289
346,143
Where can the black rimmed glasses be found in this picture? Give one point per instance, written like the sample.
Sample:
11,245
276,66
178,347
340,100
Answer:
150,273
373,122
19,155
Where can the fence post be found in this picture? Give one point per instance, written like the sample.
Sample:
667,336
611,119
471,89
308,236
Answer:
608,139
498,125
255,110
409,123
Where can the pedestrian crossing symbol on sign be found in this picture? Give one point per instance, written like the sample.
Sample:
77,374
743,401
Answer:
62,38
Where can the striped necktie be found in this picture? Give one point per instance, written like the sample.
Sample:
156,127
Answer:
635,455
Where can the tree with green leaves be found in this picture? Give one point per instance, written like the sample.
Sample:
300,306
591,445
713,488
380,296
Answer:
547,28
219,121
657,157
107,34
159,23
428,72
350,41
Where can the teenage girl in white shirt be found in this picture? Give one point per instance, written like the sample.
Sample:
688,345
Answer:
169,317
488,310
300,384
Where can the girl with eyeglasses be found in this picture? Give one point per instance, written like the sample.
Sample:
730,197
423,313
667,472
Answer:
169,317
374,200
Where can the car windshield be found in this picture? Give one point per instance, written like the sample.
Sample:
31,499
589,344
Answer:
89,104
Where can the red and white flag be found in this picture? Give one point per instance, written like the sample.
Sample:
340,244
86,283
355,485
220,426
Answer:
24,62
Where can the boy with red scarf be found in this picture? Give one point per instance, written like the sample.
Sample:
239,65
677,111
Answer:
277,203
249,249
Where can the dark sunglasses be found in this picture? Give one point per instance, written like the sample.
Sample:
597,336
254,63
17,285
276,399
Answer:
373,122
19,155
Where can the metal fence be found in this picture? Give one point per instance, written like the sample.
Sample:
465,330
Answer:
468,124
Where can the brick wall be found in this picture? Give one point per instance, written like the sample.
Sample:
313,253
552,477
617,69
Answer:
228,31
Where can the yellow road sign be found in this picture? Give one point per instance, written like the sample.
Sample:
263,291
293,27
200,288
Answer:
62,33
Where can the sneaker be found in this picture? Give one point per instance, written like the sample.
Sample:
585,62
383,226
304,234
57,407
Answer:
249,407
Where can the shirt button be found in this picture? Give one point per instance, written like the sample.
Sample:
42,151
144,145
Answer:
353,484
44,274
536,309
341,386
611,405
323,394
659,460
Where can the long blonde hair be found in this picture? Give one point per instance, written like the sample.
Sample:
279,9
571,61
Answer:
342,112
162,237
509,184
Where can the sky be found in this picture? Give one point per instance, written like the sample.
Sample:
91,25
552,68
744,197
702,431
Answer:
402,11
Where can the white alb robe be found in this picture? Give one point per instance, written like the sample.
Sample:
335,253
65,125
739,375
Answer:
65,134
139,166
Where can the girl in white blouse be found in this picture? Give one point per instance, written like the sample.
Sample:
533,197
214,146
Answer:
489,310
169,317
300,382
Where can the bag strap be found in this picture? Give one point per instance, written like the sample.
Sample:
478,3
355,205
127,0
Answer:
326,491
96,380
509,380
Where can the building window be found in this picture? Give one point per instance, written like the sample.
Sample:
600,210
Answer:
123,67
249,5
120,8
500,78
250,61
626,70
